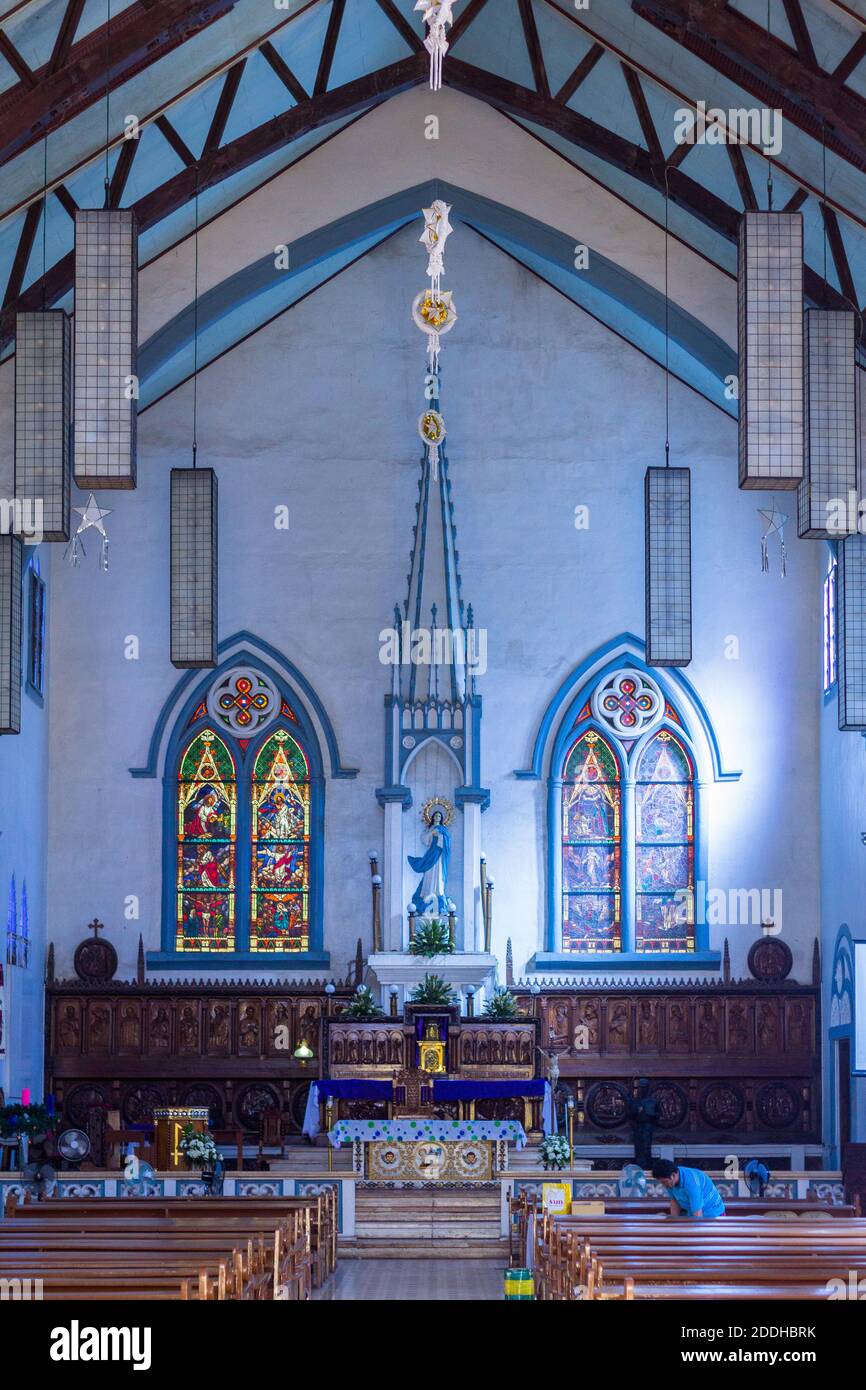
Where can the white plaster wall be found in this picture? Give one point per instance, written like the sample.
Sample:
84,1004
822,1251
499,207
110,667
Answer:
546,410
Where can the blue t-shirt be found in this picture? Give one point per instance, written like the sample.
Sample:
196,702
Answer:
696,1192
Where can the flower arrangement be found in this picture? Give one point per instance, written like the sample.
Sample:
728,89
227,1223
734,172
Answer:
432,990
554,1151
198,1147
363,1006
501,1007
431,938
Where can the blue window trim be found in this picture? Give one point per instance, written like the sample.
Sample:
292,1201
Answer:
33,579
316,957
568,701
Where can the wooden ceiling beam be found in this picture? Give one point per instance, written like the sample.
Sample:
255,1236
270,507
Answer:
178,144
272,56
137,38
226,101
580,74
122,168
402,25
32,219
65,35
839,254
741,174
800,30
639,102
464,19
533,46
329,47
230,159
850,61
26,77
762,64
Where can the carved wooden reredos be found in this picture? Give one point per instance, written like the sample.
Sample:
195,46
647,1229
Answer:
725,1058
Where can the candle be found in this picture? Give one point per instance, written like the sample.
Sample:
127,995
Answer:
25,1095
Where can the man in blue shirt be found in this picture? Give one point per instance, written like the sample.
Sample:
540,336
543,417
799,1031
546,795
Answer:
693,1193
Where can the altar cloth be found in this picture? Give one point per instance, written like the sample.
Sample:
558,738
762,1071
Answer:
455,1089
400,1131
443,1090
344,1089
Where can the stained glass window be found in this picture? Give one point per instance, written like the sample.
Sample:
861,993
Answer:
206,846
280,890
591,828
665,846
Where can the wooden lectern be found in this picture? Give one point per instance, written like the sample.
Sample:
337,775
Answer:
170,1125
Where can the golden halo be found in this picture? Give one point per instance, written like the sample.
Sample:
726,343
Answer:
437,803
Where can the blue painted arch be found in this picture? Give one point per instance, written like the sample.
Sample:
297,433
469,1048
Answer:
260,291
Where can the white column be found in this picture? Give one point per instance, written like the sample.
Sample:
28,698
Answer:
473,923
392,888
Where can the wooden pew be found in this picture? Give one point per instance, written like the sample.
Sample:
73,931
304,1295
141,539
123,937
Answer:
193,1253
320,1214
581,1253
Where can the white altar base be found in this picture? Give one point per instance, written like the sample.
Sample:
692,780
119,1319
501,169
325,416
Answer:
462,970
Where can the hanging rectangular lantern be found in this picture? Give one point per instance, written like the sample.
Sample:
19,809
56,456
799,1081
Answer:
851,632
770,335
667,516
824,510
43,379
106,347
11,551
193,567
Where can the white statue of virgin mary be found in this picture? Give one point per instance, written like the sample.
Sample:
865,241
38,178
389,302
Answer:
431,896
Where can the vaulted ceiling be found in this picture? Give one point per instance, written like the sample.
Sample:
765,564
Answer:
229,94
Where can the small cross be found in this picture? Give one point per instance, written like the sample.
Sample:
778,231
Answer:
96,926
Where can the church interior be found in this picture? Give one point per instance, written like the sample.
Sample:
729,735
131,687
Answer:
433,651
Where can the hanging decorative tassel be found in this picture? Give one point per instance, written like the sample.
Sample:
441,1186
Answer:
775,526
431,428
91,515
437,16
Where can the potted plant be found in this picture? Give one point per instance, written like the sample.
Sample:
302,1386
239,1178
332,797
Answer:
432,938
554,1151
363,1006
502,1007
432,990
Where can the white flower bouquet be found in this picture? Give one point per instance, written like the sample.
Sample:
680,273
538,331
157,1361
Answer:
198,1148
554,1151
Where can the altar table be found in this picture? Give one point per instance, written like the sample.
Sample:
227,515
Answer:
418,1150
444,1089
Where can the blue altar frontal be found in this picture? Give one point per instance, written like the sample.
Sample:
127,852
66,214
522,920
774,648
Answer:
444,1090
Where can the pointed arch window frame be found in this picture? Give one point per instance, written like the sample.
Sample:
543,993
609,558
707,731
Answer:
629,759
192,718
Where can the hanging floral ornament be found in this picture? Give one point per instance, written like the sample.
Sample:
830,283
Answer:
91,515
437,229
431,428
437,16
434,313
774,525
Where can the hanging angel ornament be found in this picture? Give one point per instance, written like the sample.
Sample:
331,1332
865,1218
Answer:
437,229
774,525
431,428
91,515
434,313
437,16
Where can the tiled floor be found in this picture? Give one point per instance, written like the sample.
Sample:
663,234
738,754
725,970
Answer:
415,1281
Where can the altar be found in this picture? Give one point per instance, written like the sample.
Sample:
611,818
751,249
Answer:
416,1150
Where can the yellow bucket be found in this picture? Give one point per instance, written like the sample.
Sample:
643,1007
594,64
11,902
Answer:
519,1283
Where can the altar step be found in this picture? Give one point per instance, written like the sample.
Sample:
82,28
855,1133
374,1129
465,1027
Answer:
369,1249
398,1218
